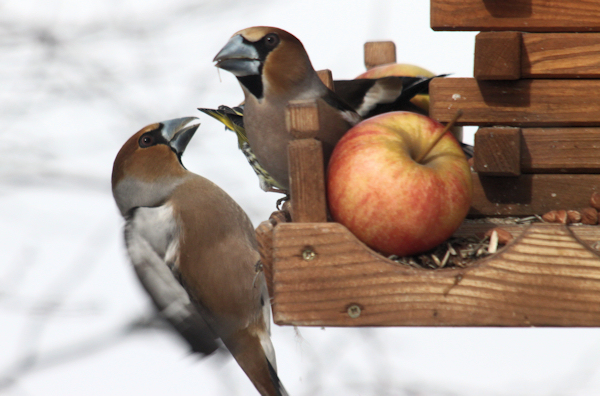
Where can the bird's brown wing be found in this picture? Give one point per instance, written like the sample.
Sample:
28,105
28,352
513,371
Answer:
168,296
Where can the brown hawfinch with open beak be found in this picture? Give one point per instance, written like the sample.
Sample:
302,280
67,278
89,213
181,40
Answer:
194,251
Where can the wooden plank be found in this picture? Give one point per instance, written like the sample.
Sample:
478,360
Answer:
498,151
305,162
327,77
560,55
307,181
514,55
590,235
302,119
560,150
379,53
497,56
542,150
516,103
546,277
522,15
531,194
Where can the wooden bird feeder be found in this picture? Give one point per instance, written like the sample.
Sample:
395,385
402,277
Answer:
535,98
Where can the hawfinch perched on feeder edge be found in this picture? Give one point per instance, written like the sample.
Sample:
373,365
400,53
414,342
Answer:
273,69
368,97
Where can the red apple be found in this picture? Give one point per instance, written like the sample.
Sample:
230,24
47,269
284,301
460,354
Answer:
391,202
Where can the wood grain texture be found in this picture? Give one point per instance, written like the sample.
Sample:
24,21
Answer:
590,235
498,151
560,55
513,55
327,77
560,150
541,150
302,118
497,56
307,181
531,194
379,53
546,277
522,15
516,103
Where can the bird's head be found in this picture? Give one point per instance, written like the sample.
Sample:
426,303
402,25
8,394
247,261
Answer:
148,167
266,58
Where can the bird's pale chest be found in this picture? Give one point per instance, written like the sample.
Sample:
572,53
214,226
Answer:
159,228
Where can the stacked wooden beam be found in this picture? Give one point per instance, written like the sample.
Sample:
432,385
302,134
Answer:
534,96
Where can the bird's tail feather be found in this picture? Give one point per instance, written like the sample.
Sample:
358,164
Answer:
276,381
232,119
246,348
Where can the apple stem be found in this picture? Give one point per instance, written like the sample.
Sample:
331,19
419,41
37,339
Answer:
440,136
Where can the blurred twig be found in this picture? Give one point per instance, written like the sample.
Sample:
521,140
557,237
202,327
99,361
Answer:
51,301
33,361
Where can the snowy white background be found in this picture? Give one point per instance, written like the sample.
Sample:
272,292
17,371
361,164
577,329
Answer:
77,78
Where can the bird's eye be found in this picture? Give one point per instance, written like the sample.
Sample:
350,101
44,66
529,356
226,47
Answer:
271,40
146,141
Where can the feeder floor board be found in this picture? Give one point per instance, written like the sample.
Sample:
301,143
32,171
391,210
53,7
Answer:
590,235
523,15
545,277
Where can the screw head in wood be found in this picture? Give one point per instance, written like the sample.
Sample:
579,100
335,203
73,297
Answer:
354,311
308,254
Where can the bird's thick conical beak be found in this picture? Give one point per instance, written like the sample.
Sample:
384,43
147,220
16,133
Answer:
239,58
177,134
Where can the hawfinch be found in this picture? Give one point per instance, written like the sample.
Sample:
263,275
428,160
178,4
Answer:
194,251
273,69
